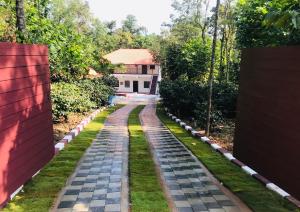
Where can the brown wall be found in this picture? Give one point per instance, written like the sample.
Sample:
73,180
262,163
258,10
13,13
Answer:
26,132
267,136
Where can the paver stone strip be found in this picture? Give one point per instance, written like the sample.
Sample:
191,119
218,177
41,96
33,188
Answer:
188,184
100,182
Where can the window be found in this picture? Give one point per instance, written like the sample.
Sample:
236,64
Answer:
152,67
127,84
146,84
121,83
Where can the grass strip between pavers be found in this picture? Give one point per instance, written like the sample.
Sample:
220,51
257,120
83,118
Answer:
41,192
250,191
146,193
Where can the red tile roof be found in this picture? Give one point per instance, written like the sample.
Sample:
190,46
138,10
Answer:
131,57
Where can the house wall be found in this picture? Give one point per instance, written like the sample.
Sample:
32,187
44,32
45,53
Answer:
267,135
26,130
140,78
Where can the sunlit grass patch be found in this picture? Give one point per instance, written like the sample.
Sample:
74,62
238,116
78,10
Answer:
145,190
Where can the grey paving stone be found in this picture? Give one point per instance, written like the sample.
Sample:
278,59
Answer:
99,197
113,208
185,209
69,198
97,209
72,192
66,204
199,207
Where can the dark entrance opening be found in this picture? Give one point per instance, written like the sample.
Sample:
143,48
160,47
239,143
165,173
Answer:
135,86
144,69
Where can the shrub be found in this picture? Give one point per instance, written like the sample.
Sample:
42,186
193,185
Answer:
66,98
182,96
110,80
189,100
97,90
225,99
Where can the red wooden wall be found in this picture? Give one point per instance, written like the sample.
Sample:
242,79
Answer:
26,131
267,136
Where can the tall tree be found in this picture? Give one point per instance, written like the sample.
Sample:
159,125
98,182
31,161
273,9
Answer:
212,66
20,15
227,33
111,25
191,12
130,25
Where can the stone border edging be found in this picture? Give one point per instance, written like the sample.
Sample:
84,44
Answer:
231,158
75,132
64,141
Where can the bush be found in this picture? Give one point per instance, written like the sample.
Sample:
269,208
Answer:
66,98
97,90
81,96
110,80
225,99
182,96
189,100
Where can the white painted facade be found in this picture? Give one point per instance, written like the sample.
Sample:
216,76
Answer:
134,75
131,78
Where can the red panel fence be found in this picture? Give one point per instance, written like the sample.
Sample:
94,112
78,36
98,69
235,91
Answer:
267,134
26,131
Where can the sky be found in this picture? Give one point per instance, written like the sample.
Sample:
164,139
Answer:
149,13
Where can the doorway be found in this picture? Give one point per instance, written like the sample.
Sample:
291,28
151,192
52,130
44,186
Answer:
135,86
144,69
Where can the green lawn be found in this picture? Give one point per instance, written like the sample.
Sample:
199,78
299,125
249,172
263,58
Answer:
145,190
250,191
40,193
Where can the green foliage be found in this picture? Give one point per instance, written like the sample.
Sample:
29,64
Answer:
68,98
7,20
97,90
186,60
194,58
189,100
267,23
110,80
80,96
171,68
76,39
130,25
225,98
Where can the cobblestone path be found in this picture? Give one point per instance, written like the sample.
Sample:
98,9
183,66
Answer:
190,187
100,182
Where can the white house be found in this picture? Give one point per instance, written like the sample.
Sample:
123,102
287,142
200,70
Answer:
141,74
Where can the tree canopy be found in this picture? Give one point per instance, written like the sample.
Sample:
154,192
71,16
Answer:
76,39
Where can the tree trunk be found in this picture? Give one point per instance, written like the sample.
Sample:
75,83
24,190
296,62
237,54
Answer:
228,64
221,66
211,72
203,33
20,18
